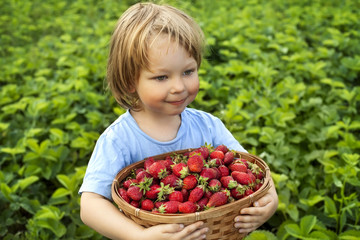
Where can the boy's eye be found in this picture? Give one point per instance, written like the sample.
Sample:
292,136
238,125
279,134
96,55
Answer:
160,78
188,72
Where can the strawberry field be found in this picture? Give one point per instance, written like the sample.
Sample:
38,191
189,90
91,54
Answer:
284,76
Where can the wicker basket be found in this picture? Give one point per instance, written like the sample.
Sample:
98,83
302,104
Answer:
219,220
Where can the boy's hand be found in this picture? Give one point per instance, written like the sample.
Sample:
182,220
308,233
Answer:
195,231
253,217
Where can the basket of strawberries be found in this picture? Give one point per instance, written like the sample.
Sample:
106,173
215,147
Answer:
201,184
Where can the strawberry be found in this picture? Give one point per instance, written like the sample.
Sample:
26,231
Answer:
169,207
238,166
135,193
238,192
196,194
251,175
139,170
208,173
195,163
158,170
142,174
124,195
224,171
217,154
202,203
129,182
147,204
214,185
176,196
208,193
215,162
181,170
148,162
248,192
204,150
258,186
242,178
187,207
173,181
189,182
229,157
246,162
185,194
159,203
135,204
165,190
222,148
168,163
153,192
228,182
217,199
218,173
256,170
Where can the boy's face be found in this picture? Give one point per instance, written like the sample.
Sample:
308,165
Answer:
172,81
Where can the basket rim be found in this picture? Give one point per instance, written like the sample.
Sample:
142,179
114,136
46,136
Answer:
189,217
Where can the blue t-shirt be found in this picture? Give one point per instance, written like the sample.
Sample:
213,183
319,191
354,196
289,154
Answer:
124,143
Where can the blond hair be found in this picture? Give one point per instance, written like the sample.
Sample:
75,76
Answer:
131,40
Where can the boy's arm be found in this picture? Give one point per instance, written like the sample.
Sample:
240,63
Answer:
101,215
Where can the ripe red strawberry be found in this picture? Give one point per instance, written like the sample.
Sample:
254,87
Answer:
208,194
159,203
222,148
202,203
173,181
246,162
258,186
195,163
168,163
129,182
187,207
242,178
228,182
148,162
176,196
238,192
123,194
169,207
224,171
139,170
196,194
214,185
153,192
215,162
135,193
141,175
218,173
185,194
147,204
238,166
248,192
217,199
228,157
208,173
252,176
135,203
181,170
204,150
189,182
158,170
217,154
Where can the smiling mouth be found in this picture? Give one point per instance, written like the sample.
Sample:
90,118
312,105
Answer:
177,102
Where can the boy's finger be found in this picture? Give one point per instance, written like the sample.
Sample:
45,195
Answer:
172,228
262,201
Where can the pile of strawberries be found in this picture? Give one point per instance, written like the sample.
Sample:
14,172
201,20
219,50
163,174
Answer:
204,178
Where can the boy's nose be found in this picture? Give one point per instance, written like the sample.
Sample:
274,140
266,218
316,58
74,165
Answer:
177,85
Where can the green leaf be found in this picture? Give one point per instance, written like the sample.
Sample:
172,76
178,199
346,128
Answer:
330,207
60,192
260,235
6,191
64,180
294,230
350,235
24,183
307,223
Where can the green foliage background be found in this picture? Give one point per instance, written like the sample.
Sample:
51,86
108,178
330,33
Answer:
283,76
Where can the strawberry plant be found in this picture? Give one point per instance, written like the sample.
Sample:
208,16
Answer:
282,75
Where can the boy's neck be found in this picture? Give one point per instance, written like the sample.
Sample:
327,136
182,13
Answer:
160,128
